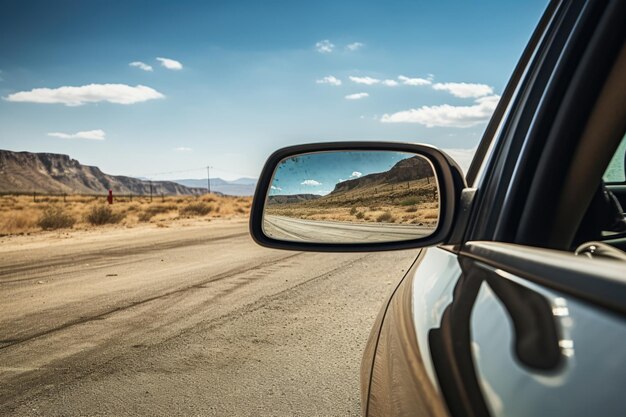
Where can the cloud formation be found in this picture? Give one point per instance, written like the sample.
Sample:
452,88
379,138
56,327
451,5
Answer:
356,96
446,115
465,90
324,47
355,46
311,183
276,188
356,174
91,93
183,149
390,83
170,64
141,65
97,134
463,157
329,79
414,81
364,80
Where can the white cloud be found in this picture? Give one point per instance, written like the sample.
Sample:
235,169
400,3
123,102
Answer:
324,47
446,115
141,65
311,183
183,149
170,64
356,174
355,46
329,80
413,81
276,188
97,134
462,156
390,83
465,90
91,93
364,80
356,96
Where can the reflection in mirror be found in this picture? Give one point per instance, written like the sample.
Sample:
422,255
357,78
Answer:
352,197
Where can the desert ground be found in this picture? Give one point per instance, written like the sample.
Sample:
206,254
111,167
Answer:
25,214
411,202
182,315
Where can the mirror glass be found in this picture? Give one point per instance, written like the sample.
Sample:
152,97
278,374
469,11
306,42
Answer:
352,197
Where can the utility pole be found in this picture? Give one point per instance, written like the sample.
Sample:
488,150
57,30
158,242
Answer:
208,178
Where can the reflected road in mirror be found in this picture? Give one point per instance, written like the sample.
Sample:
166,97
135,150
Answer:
352,197
287,228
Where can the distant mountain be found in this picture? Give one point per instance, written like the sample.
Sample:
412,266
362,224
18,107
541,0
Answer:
290,199
409,169
57,173
245,181
239,187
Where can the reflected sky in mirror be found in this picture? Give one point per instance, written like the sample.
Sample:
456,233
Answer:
318,173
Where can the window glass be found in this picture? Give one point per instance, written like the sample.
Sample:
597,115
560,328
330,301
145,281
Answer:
616,172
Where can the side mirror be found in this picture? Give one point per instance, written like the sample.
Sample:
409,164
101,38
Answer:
355,196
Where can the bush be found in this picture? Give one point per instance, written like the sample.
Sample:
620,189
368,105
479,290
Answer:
411,210
54,217
99,215
196,209
411,201
360,215
152,211
386,217
353,211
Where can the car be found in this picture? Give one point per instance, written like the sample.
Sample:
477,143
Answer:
516,303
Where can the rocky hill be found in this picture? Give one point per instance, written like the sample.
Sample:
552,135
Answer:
27,172
407,170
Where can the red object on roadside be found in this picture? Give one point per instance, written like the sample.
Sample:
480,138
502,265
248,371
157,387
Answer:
110,197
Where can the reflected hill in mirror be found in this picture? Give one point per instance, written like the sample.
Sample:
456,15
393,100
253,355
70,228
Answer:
405,194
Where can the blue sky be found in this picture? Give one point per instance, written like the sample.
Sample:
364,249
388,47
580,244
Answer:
242,78
319,173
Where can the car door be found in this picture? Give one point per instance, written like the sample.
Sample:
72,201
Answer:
532,329
547,329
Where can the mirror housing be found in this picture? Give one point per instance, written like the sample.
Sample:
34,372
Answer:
449,177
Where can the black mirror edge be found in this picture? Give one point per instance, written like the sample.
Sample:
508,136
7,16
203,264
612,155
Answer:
449,175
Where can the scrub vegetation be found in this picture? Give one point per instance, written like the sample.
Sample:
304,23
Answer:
409,202
22,214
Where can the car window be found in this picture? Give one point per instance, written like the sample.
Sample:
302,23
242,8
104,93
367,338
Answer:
616,171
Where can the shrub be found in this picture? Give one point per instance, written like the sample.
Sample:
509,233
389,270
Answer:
12,223
411,201
411,210
360,215
99,215
385,217
152,211
196,209
353,211
54,217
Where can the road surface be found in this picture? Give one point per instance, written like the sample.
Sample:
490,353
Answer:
194,320
289,228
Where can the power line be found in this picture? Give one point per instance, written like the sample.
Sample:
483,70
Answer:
208,178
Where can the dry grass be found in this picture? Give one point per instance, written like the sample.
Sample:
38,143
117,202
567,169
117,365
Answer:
406,203
54,217
21,214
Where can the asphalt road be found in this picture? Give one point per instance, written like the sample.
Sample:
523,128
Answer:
289,228
193,320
